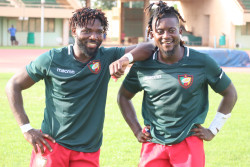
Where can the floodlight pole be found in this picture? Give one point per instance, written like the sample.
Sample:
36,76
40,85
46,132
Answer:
42,21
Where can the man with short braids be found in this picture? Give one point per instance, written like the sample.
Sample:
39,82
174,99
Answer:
175,82
76,78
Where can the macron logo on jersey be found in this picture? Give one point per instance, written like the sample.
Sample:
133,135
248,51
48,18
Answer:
152,77
65,71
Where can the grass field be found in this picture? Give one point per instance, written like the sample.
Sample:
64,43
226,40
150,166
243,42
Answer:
120,148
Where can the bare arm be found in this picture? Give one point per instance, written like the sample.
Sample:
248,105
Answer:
129,114
229,98
140,52
14,87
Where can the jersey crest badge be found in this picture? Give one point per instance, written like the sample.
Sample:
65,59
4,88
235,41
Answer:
185,80
95,66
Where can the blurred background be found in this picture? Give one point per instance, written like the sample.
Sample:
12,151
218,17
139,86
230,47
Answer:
220,28
209,23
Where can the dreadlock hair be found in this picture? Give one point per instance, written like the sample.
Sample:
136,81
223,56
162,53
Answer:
81,17
162,11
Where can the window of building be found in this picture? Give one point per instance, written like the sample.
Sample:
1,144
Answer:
34,25
25,25
245,30
38,25
49,25
22,25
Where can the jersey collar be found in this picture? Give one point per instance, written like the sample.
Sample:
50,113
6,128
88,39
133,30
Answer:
156,53
70,49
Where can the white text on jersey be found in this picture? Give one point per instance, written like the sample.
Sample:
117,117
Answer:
152,77
65,71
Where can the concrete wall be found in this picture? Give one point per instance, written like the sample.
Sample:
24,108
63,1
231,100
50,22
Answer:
114,23
1,32
50,38
198,20
9,15
242,40
212,18
133,24
5,37
35,12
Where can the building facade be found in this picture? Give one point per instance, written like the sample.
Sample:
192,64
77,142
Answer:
215,23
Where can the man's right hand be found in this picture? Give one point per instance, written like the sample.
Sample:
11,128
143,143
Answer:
143,136
37,139
118,67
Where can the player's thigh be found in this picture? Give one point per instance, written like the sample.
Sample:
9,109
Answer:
153,155
84,159
59,157
190,152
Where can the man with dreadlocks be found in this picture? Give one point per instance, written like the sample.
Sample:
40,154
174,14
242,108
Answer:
76,80
175,83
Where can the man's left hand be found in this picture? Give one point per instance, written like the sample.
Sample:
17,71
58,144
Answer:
202,133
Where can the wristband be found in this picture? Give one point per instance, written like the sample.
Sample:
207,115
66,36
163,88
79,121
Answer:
130,57
25,128
218,122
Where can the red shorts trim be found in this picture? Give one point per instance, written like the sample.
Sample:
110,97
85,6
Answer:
63,157
188,153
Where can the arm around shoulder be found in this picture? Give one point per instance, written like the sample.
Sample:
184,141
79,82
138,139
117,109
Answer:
134,53
141,51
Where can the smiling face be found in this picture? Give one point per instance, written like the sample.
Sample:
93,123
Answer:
89,38
166,33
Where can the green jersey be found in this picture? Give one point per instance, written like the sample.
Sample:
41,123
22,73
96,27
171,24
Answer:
175,96
75,95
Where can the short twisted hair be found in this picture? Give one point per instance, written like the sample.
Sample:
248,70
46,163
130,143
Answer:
81,18
162,11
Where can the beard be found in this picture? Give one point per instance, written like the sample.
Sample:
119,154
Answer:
87,52
171,52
